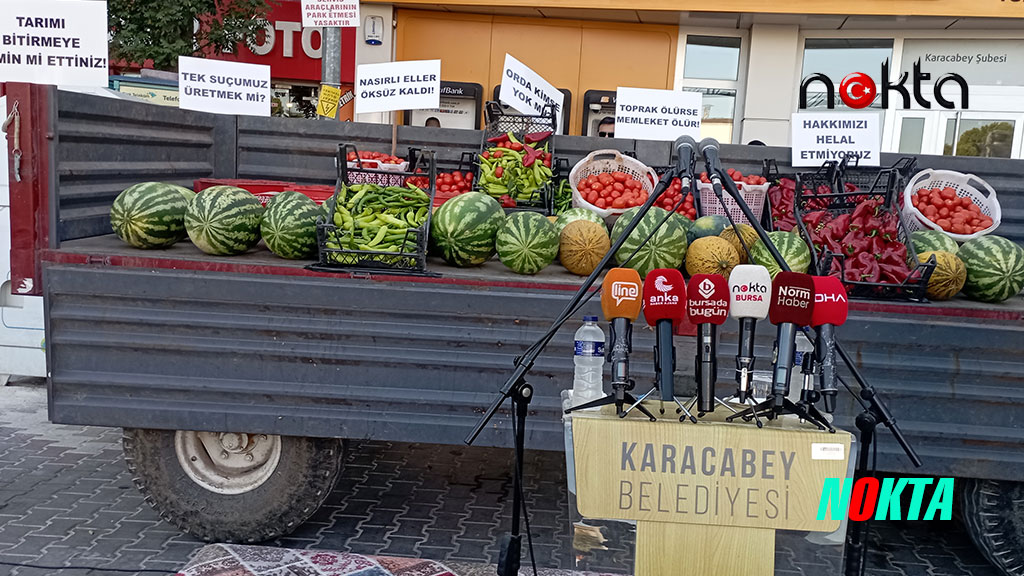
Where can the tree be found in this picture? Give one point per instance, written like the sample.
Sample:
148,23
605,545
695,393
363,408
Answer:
162,30
992,140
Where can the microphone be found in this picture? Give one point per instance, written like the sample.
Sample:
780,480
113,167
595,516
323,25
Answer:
707,306
791,307
713,164
621,294
685,148
750,290
664,307
831,308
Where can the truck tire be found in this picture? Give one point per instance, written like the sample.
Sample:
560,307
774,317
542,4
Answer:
232,487
993,513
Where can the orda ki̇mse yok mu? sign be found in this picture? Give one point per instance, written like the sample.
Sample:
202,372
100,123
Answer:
528,92
409,85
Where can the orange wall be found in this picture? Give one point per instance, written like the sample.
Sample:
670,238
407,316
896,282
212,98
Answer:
572,54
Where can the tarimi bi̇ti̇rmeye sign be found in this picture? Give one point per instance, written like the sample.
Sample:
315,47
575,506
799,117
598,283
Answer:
49,42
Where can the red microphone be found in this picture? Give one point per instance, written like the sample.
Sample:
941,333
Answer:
707,306
831,308
791,307
664,308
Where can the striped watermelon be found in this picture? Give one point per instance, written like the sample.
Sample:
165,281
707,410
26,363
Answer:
224,220
792,248
527,242
289,225
932,241
995,268
150,215
464,228
711,225
574,214
665,249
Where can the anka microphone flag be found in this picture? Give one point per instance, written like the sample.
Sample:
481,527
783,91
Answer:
664,296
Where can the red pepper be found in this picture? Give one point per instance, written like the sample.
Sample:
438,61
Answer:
532,155
498,139
817,220
893,273
499,171
869,269
895,254
507,201
533,137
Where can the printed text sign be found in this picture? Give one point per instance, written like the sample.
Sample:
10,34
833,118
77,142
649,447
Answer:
822,136
330,14
646,114
54,42
527,92
223,87
410,85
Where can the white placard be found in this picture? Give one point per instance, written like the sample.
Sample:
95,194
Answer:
410,85
223,87
822,451
528,92
54,42
317,14
822,136
646,114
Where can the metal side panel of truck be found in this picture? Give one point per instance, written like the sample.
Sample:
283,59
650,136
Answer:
253,348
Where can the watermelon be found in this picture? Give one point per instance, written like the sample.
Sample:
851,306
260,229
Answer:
574,214
995,268
464,228
185,192
150,215
791,247
224,220
289,225
932,241
707,226
665,249
527,242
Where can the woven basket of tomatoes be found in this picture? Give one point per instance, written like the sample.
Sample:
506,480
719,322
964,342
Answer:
367,159
609,183
752,187
961,205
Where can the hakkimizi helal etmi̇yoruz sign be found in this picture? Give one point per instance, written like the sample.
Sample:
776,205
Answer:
819,137
53,42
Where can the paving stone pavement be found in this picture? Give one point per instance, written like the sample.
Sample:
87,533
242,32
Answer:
66,499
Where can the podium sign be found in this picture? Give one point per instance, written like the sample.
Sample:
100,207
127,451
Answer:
706,496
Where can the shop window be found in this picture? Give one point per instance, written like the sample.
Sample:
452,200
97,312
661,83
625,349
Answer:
712,57
985,138
911,135
719,112
838,57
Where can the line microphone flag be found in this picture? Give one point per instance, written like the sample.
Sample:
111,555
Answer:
707,306
750,291
831,307
792,306
621,300
664,308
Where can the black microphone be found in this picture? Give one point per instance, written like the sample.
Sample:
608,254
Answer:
707,306
664,307
791,307
830,310
750,290
686,149
621,300
712,163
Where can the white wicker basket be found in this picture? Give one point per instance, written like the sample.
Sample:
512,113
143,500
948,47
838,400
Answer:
753,195
600,161
966,185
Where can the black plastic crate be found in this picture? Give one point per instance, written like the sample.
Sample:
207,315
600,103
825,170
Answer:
872,179
811,196
411,253
826,173
500,123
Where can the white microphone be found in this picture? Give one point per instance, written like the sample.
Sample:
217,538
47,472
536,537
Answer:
750,291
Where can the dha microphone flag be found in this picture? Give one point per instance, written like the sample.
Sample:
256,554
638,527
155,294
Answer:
621,294
664,296
831,308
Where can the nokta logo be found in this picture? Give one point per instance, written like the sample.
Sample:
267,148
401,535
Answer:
857,90
868,497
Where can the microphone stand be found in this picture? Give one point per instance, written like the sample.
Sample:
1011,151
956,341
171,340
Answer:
520,392
875,410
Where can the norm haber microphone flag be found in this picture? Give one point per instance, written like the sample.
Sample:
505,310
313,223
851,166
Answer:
750,291
665,308
621,300
791,307
707,306
831,308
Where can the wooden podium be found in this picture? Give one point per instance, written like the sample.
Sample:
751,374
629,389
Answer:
707,498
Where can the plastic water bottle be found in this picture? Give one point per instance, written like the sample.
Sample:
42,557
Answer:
588,380
796,377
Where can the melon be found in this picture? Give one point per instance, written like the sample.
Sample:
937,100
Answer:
582,245
574,214
791,247
224,220
665,249
707,226
527,242
748,234
933,241
995,268
289,225
711,255
150,214
948,277
464,228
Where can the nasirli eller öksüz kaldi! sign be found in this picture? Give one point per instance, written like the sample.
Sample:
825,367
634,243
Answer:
819,137
223,87
389,86
53,42
648,114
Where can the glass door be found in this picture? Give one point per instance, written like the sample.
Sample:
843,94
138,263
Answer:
982,134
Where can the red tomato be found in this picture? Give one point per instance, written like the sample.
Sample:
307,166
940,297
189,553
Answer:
601,203
619,176
598,186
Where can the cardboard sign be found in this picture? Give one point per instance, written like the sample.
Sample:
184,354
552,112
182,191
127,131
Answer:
54,42
527,92
327,103
410,85
223,87
646,114
822,136
330,14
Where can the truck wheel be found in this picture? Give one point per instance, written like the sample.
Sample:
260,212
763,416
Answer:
232,487
993,513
